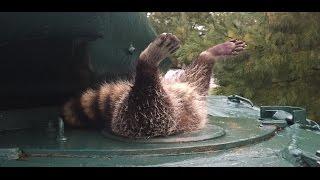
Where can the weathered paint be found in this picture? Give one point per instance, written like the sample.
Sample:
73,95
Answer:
288,147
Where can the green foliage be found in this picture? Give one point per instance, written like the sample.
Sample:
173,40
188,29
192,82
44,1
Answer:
281,65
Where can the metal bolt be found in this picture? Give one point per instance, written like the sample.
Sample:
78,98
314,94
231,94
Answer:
131,49
61,136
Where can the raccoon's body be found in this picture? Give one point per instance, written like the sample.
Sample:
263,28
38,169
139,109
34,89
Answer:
150,105
107,107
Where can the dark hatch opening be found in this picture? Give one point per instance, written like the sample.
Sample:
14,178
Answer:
41,72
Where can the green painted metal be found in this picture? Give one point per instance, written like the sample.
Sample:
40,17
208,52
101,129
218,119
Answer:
299,115
221,106
209,132
292,146
238,134
36,69
80,142
278,123
311,159
279,114
43,59
10,153
113,33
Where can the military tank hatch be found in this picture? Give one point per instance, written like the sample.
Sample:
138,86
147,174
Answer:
32,133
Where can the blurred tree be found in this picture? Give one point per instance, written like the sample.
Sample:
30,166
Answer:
281,65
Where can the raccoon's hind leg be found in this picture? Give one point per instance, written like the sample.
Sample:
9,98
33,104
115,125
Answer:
198,74
147,110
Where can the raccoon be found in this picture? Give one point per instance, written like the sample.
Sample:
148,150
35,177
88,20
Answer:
152,105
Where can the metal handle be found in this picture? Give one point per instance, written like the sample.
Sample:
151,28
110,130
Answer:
237,99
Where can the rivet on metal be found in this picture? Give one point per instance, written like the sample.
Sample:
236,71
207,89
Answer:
131,49
61,136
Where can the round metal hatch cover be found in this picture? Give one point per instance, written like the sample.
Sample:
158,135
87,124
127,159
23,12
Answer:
209,132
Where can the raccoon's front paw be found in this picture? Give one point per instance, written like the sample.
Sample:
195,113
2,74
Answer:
164,45
229,48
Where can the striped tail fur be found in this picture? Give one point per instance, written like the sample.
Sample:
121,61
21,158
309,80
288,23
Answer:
94,108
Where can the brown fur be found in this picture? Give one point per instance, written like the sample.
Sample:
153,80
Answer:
69,114
151,105
189,105
198,74
87,103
